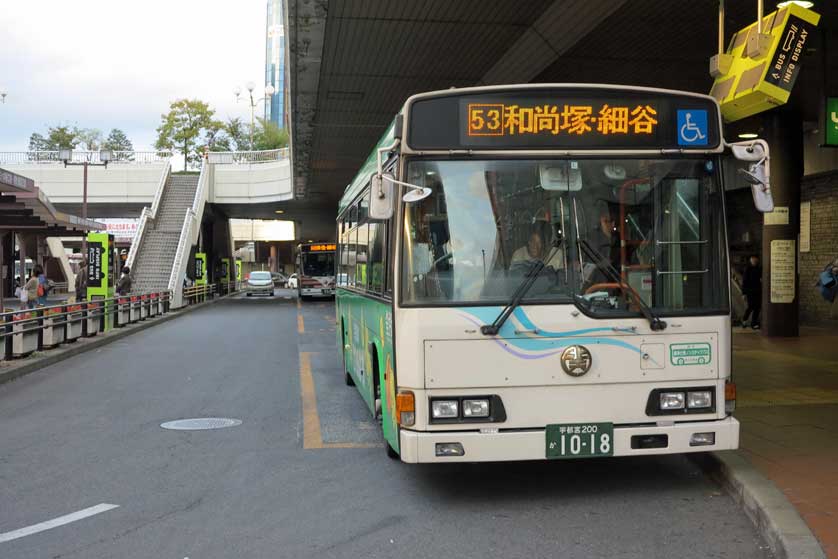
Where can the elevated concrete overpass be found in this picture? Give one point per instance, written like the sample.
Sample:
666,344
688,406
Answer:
248,185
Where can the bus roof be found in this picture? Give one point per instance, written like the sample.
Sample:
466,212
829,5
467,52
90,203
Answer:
438,122
368,169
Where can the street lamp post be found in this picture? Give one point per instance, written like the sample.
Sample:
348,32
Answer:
269,91
66,155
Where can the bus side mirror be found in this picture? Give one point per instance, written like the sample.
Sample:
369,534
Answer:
758,173
381,198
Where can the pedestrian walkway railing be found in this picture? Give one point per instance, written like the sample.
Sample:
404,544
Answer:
27,330
241,157
117,157
198,293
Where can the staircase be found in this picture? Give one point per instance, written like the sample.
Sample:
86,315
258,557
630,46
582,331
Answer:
155,256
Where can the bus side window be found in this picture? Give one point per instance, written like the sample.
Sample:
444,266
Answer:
376,257
361,268
341,254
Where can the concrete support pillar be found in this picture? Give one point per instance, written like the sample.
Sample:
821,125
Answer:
21,244
274,267
7,265
780,291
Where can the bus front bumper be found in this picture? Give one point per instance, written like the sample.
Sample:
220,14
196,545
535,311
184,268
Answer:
317,291
531,444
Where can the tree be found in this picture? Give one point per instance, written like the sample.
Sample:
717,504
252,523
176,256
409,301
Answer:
89,139
38,143
269,136
62,137
117,141
182,127
215,138
238,134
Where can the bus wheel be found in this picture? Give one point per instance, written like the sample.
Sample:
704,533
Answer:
391,453
347,378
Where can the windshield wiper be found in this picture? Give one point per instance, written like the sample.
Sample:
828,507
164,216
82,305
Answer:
493,328
655,323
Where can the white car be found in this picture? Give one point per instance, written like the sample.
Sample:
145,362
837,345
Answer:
292,281
260,282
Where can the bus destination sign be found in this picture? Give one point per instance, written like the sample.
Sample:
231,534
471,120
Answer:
318,248
564,119
497,119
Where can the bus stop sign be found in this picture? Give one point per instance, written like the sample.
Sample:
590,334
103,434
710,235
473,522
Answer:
831,124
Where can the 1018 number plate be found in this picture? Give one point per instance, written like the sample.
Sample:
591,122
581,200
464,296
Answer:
580,440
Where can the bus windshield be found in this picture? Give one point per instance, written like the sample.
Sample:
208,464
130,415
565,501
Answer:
657,222
318,264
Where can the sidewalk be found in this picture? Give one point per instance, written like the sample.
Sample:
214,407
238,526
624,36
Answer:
787,403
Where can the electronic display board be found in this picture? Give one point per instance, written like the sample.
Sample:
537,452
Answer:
563,118
321,247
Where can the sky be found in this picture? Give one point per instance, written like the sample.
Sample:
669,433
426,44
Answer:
118,64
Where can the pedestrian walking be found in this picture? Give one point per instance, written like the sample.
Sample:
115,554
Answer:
123,286
42,287
752,289
81,282
31,290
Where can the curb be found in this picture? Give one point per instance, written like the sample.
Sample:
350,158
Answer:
774,516
53,356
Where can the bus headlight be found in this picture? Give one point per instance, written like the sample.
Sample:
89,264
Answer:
475,408
671,400
700,399
445,409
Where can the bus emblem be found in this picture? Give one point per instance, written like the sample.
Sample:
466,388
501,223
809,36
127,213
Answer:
576,360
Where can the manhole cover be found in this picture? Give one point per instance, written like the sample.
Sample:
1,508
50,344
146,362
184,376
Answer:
201,423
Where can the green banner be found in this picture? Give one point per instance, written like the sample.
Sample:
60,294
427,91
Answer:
200,268
831,124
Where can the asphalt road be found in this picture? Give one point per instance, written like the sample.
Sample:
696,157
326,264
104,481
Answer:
87,432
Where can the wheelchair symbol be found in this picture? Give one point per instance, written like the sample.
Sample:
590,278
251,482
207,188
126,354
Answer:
690,133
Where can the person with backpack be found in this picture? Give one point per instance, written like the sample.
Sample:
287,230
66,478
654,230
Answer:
123,286
43,288
29,293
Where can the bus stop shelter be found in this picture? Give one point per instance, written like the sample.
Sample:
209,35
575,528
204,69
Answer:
26,211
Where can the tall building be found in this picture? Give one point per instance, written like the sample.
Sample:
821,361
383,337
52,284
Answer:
275,62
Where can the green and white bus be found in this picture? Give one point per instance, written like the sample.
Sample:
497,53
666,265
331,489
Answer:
540,271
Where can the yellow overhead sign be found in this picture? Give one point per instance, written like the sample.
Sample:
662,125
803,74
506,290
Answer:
764,79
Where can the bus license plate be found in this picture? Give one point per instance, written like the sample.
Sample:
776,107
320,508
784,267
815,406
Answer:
580,440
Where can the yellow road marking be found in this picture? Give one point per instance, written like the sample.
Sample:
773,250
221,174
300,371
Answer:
312,438
301,324
312,435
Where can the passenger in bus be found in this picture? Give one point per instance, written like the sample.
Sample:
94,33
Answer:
605,240
536,249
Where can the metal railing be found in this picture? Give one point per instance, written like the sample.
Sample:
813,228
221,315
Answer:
28,330
25,331
117,157
246,157
198,293
181,254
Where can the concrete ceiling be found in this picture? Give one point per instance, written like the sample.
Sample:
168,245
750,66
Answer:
352,63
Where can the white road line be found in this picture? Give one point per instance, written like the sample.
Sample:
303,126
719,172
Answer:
56,522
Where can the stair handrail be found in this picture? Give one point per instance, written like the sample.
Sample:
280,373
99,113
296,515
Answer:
179,263
158,195
200,199
148,214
